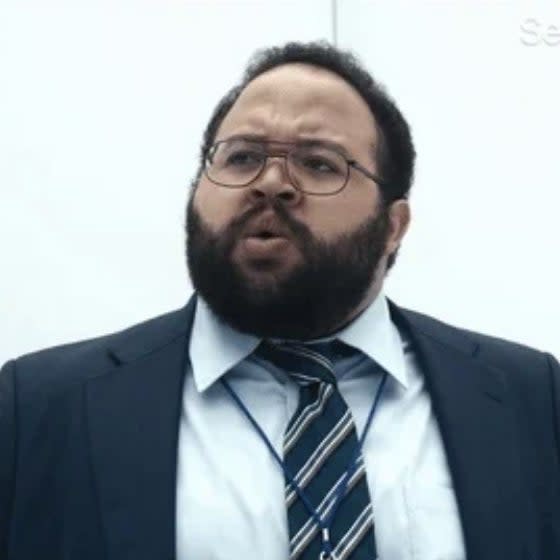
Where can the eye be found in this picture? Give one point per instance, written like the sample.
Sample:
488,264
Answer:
319,164
243,158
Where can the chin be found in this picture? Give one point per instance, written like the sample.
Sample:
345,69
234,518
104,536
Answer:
263,281
266,270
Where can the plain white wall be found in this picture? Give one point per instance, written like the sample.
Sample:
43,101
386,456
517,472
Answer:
102,107
103,104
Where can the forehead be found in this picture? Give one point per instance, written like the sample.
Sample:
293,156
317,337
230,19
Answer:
299,101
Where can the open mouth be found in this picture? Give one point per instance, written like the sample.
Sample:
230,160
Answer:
267,228
266,235
265,244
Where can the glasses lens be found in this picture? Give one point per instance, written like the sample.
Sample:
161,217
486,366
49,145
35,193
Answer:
234,162
317,169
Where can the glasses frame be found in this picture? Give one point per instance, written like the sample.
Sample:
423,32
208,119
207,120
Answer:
284,155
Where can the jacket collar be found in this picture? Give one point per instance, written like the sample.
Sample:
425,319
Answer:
133,419
476,418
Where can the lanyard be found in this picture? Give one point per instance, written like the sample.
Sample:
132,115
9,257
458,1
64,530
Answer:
324,524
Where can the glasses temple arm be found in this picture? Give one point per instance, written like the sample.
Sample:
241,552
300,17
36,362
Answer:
367,173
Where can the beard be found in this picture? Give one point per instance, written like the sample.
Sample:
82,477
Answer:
314,299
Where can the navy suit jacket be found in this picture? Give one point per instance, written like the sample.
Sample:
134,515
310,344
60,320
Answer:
89,431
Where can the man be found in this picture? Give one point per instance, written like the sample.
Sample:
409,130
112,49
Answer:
289,410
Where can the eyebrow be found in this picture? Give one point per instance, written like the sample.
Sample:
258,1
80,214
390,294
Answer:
303,142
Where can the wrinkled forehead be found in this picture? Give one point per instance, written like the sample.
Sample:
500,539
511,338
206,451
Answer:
298,101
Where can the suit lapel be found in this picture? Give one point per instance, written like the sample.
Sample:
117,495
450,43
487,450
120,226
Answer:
477,423
133,419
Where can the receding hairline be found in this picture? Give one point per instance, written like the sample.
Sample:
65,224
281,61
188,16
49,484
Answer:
305,67
316,69
312,70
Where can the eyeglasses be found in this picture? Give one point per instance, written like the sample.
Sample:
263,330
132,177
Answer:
312,167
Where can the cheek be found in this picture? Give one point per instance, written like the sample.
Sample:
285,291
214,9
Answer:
330,218
216,205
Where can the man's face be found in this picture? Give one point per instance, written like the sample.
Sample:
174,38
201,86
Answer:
319,266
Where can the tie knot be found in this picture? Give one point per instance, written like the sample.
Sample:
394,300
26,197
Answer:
304,363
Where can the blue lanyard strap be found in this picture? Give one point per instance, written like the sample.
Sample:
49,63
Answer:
324,525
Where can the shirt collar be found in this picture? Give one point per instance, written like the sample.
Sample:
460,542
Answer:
215,347
376,335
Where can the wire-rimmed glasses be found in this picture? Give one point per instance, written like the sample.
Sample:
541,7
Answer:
313,167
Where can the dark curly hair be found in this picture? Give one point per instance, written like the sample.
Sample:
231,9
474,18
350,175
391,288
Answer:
394,153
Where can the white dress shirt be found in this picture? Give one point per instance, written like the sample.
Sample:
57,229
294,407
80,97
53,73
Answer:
230,490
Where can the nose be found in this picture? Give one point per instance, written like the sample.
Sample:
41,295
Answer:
274,182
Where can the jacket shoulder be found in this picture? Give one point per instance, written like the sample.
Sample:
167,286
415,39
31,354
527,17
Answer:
51,369
437,328
513,358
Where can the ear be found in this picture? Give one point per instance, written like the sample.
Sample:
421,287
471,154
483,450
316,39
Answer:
399,220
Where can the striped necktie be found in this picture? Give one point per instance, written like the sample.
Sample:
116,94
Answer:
319,444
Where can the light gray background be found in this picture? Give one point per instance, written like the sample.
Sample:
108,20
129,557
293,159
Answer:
102,108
